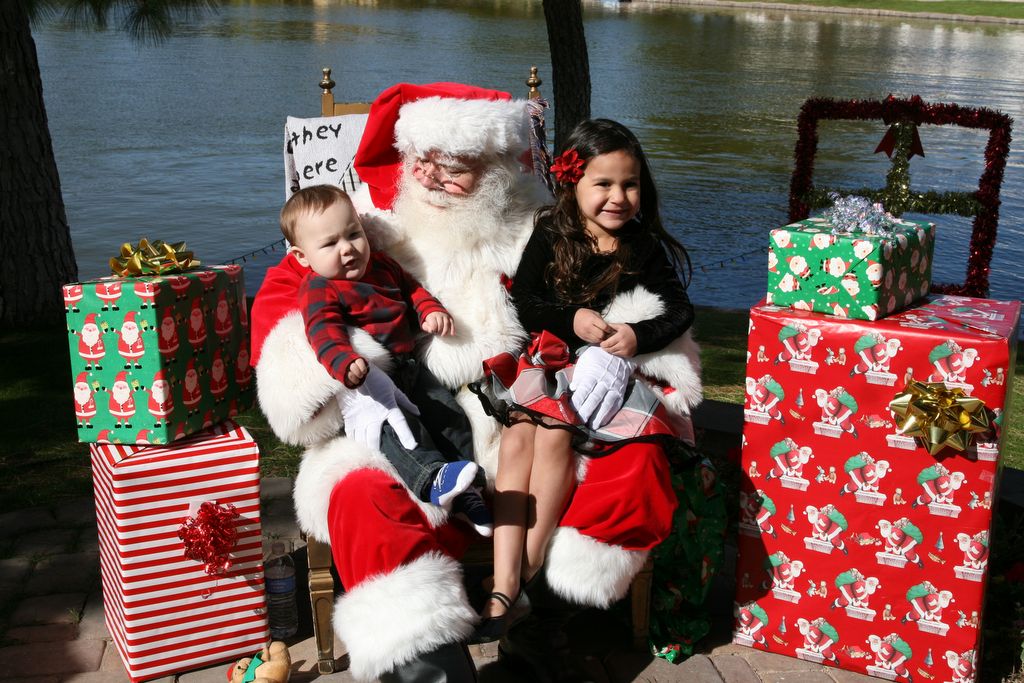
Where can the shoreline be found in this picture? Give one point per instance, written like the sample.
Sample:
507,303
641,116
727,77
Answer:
786,6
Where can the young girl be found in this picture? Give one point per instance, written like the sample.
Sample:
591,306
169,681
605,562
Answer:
602,237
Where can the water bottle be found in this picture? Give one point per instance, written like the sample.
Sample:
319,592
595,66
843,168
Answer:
282,613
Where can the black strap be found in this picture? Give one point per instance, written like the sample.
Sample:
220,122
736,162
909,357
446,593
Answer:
502,598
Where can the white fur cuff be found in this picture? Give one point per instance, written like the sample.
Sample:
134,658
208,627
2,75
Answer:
389,620
589,572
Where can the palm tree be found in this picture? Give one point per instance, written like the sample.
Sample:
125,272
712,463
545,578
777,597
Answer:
36,256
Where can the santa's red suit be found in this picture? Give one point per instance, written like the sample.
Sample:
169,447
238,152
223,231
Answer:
396,556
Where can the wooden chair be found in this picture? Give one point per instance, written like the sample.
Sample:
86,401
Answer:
321,583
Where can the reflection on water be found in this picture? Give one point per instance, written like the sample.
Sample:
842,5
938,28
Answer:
183,140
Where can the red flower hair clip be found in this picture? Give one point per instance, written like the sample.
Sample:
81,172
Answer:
568,167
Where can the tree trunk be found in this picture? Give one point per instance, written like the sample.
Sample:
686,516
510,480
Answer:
570,66
36,256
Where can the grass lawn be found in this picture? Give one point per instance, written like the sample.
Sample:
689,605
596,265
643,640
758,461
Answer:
974,8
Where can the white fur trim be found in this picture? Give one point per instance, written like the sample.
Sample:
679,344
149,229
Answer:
589,572
323,466
677,365
462,127
390,619
486,433
293,386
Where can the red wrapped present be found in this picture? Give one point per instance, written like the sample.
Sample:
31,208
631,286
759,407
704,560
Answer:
181,553
872,456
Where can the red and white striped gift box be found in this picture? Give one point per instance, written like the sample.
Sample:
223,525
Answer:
163,611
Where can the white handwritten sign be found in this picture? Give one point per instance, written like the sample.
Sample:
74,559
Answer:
320,151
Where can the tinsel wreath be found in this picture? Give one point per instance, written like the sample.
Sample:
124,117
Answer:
903,117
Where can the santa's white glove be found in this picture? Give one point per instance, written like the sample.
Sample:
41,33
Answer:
375,402
598,385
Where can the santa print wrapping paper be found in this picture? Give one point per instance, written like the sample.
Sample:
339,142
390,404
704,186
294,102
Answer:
156,358
164,612
849,275
857,548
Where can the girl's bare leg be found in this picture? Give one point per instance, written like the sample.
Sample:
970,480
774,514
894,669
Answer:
552,480
511,487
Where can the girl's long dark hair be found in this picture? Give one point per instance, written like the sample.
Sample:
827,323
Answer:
572,244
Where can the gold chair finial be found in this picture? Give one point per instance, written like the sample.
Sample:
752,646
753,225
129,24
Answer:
534,83
326,83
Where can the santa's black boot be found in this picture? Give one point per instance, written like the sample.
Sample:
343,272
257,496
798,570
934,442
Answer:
447,664
537,648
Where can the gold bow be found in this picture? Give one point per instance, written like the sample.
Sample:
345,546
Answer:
938,417
152,258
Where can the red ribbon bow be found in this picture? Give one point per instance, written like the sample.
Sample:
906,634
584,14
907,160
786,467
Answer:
568,167
210,536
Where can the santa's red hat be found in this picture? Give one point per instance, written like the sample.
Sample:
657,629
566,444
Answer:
129,317
160,376
83,378
122,377
458,120
90,319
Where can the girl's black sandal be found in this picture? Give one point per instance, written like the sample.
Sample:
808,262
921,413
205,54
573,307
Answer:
491,629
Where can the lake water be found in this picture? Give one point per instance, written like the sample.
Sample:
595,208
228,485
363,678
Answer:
183,141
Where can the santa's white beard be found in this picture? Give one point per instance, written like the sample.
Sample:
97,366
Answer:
503,195
130,334
90,334
121,392
167,329
161,391
82,394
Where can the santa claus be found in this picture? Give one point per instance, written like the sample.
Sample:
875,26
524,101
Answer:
129,341
168,335
122,401
218,377
90,343
222,322
85,402
197,325
405,612
191,390
161,402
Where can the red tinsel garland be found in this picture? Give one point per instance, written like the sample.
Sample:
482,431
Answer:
915,110
210,536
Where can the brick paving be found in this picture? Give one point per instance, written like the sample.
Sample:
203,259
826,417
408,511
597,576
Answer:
51,618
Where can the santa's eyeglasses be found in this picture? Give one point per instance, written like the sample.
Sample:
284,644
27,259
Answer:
440,172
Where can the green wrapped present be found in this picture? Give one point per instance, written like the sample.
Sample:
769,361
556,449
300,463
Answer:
157,357
863,271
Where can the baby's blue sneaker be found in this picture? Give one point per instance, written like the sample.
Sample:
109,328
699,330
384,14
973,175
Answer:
470,506
453,479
